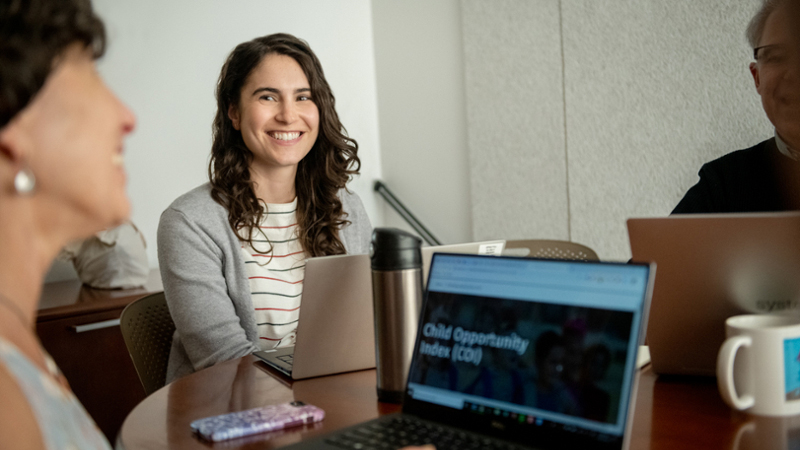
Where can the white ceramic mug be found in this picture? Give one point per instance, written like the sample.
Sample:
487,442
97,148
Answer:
758,367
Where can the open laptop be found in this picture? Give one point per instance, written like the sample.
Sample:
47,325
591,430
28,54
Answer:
336,314
335,332
495,355
711,267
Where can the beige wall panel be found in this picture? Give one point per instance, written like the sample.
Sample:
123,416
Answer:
653,90
515,118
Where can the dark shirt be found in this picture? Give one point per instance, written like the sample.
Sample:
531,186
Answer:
756,179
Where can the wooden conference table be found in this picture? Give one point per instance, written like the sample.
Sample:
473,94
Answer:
671,413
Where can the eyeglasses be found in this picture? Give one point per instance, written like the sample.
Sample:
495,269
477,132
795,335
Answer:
776,55
765,48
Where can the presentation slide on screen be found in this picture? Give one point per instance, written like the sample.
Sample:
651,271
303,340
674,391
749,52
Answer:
555,357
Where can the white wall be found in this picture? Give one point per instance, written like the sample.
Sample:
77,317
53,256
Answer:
419,67
164,58
498,119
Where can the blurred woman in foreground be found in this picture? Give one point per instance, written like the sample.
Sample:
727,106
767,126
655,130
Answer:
61,179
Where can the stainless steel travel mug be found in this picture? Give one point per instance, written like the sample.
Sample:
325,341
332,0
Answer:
396,296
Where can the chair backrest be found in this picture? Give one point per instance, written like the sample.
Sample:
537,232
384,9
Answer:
147,329
551,249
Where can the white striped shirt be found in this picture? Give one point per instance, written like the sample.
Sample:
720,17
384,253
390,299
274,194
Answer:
276,275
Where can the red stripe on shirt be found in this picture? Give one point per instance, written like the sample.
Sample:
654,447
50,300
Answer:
276,279
276,309
268,339
278,228
277,256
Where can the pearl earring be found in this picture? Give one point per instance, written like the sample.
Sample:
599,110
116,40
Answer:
24,181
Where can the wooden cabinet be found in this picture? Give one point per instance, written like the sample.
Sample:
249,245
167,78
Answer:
79,327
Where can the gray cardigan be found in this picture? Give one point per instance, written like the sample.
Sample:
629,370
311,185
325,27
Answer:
205,280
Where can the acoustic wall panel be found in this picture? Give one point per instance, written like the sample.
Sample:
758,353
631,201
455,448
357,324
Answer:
515,118
653,90
650,90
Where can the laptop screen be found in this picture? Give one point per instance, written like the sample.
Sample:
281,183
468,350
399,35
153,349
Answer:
538,349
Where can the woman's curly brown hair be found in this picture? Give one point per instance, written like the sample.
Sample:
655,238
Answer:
320,175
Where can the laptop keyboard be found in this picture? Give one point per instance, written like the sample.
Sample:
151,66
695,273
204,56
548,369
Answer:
402,431
288,359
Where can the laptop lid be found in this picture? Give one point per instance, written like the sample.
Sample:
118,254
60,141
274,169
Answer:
540,352
477,248
711,267
335,332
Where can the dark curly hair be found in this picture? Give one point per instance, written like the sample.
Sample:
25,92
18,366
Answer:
33,35
320,175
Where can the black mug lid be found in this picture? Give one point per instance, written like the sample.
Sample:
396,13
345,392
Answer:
394,249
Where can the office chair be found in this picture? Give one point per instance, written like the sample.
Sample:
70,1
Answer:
147,329
550,249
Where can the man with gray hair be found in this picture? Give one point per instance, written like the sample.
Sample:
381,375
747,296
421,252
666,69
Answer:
765,177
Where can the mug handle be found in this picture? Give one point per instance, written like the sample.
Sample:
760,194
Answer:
727,355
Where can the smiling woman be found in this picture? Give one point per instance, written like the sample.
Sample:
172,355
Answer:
61,179
232,252
278,120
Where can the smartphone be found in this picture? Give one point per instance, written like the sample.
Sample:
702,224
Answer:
256,420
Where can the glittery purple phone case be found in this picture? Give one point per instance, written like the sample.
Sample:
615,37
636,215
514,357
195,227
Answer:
257,420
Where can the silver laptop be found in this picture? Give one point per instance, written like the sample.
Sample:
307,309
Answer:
518,353
711,267
336,314
335,332
475,248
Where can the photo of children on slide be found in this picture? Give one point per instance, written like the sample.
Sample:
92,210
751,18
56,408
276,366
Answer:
558,358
